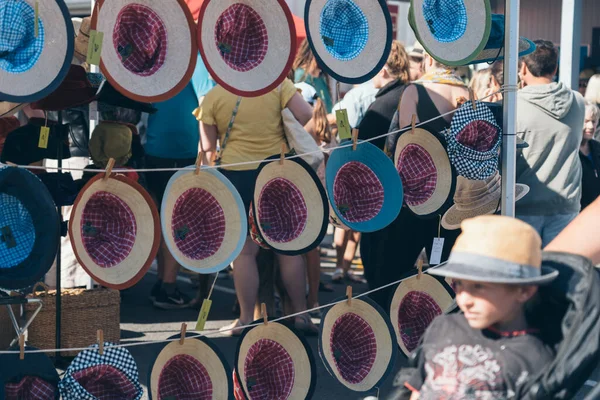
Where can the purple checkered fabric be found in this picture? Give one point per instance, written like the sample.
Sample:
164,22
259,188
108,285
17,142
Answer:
418,174
269,371
184,378
241,37
416,312
357,192
106,382
282,211
478,135
353,346
30,388
140,39
108,229
198,224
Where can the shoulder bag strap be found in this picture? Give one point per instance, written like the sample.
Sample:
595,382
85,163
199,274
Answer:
228,132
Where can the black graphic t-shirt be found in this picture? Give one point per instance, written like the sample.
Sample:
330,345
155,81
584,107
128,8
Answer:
458,362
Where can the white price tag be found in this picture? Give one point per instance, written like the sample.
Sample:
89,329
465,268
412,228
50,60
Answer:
94,111
436,251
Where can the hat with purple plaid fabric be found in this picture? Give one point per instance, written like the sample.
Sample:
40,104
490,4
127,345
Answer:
290,206
33,378
92,376
114,230
29,228
149,48
351,39
416,302
32,67
364,189
203,220
193,370
273,362
428,177
356,344
248,46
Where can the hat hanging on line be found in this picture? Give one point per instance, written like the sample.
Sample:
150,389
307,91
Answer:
273,362
427,175
416,302
248,46
477,197
29,229
82,39
195,369
290,206
453,32
203,220
75,90
363,186
114,230
356,344
111,140
112,375
351,39
149,49
32,67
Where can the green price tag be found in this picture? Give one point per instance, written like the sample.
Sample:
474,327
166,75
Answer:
95,47
44,135
344,129
36,15
203,316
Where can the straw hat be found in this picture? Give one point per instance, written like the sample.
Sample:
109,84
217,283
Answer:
114,230
75,90
477,197
356,344
35,374
453,32
195,369
351,39
290,206
33,67
149,51
248,46
8,109
203,220
82,39
426,172
416,302
111,140
273,362
29,229
364,189
497,249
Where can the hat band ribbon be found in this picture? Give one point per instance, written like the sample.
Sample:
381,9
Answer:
494,266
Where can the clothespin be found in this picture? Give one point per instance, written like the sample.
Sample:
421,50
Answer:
100,336
109,167
413,123
419,268
21,347
182,333
349,294
282,157
198,163
263,311
354,139
12,164
472,98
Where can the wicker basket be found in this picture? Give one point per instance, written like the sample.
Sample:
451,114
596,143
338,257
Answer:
83,313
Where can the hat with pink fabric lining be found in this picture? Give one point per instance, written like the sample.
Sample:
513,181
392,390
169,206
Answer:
33,378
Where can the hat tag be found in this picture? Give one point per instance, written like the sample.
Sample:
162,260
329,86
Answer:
90,230
125,51
407,331
7,237
265,226
431,28
328,41
225,48
250,383
337,354
182,232
343,208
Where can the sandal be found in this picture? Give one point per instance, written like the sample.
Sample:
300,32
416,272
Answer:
316,313
338,276
231,329
352,277
303,324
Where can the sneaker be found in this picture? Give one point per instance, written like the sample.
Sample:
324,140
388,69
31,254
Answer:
174,301
155,290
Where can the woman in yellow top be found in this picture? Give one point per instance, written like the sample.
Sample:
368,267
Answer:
249,130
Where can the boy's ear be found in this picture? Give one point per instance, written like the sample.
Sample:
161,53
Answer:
526,293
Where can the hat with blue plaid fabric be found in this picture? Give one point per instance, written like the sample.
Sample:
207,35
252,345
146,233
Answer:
29,229
32,378
453,32
33,64
351,39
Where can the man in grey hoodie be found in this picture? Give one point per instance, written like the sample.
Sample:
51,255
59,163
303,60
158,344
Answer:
550,118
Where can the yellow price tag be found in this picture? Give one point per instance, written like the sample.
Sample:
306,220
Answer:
36,27
44,135
203,316
95,47
344,129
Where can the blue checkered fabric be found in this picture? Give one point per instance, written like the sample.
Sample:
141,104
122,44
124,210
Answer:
19,48
344,29
119,358
15,216
470,163
447,19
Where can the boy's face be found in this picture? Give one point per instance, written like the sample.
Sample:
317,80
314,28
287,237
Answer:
488,304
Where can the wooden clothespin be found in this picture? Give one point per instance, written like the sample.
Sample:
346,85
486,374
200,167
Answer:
182,333
349,294
100,336
263,311
109,167
12,164
419,268
198,163
354,138
282,157
21,347
472,98
413,123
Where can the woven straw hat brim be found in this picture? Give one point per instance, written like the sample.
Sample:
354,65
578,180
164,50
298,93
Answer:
376,51
305,371
206,353
236,224
181,55
147,239
82,40
54,61
477,274
468,46
278,59
526,47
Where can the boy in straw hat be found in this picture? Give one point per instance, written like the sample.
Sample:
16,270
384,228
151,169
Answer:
489,350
